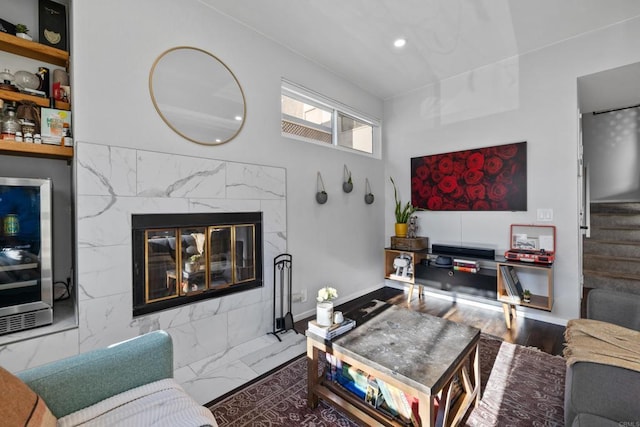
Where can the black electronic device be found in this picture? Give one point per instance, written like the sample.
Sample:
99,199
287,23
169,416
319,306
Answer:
463,251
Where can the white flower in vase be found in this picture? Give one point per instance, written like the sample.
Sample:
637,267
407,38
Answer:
327,294
324,308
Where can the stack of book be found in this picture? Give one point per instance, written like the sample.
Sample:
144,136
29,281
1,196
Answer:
469,266
511,283
385,397
330,332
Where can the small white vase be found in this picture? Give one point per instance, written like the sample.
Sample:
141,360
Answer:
324,313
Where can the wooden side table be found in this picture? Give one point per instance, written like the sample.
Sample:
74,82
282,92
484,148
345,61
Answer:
415,258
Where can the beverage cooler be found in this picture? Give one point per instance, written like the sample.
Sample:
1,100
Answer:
26,284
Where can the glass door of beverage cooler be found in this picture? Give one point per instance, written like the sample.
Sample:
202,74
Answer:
25,254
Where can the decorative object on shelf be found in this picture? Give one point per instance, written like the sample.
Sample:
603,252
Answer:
321,194
7,27
43,73
28,112
25,79
52,125
52,20
412,228
368,195
197,95
526,296
532,243
403,213
60,76
417,243
6,76
347,185
60,88
324,306
10,123
22,32
443,261
403,265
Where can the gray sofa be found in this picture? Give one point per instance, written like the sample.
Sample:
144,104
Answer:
598,395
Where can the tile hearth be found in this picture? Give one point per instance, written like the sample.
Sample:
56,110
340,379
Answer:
212,377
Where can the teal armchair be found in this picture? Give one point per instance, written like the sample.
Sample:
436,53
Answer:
74,383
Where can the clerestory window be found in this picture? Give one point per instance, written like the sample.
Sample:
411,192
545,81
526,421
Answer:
311,117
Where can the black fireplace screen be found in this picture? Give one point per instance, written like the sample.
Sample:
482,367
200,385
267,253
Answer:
182,258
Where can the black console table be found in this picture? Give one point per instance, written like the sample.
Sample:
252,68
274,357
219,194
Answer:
487,283
480,284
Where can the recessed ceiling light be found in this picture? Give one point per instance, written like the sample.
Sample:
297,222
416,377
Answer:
400,42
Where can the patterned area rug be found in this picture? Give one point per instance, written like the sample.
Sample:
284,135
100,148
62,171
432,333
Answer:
520,387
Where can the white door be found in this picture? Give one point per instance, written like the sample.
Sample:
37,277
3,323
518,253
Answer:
584,211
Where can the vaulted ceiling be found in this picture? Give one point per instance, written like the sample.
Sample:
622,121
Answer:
354,38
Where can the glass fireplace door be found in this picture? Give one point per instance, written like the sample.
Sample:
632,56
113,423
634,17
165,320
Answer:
183,258
221,258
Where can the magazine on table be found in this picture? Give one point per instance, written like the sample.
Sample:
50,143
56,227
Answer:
330,332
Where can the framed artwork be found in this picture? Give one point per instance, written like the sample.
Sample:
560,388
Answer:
52,20
482,179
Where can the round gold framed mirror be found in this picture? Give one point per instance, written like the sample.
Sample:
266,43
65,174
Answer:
197,95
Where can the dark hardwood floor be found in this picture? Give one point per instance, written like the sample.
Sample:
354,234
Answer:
527,332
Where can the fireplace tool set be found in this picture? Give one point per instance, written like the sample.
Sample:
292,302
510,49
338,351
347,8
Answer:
282,321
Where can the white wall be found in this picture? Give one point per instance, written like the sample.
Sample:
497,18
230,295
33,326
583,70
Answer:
114,45
530,98
612,155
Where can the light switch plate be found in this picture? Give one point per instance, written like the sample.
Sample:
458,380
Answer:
545,215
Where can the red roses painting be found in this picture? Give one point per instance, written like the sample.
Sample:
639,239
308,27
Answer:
483,179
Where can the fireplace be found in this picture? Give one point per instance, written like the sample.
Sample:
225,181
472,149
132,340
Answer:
182,258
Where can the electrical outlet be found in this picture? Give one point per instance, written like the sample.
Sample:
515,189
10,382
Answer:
299,296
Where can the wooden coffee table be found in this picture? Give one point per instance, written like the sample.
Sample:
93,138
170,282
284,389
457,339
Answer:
418,353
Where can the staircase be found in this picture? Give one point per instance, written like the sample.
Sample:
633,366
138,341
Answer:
611,256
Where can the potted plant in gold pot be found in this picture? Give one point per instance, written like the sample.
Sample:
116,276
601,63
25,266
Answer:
402,212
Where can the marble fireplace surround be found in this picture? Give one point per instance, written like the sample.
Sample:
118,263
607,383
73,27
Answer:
115,182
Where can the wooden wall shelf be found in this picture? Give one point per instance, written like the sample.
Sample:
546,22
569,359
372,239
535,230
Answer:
35,150
542,301
8,95
39,52
50,55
